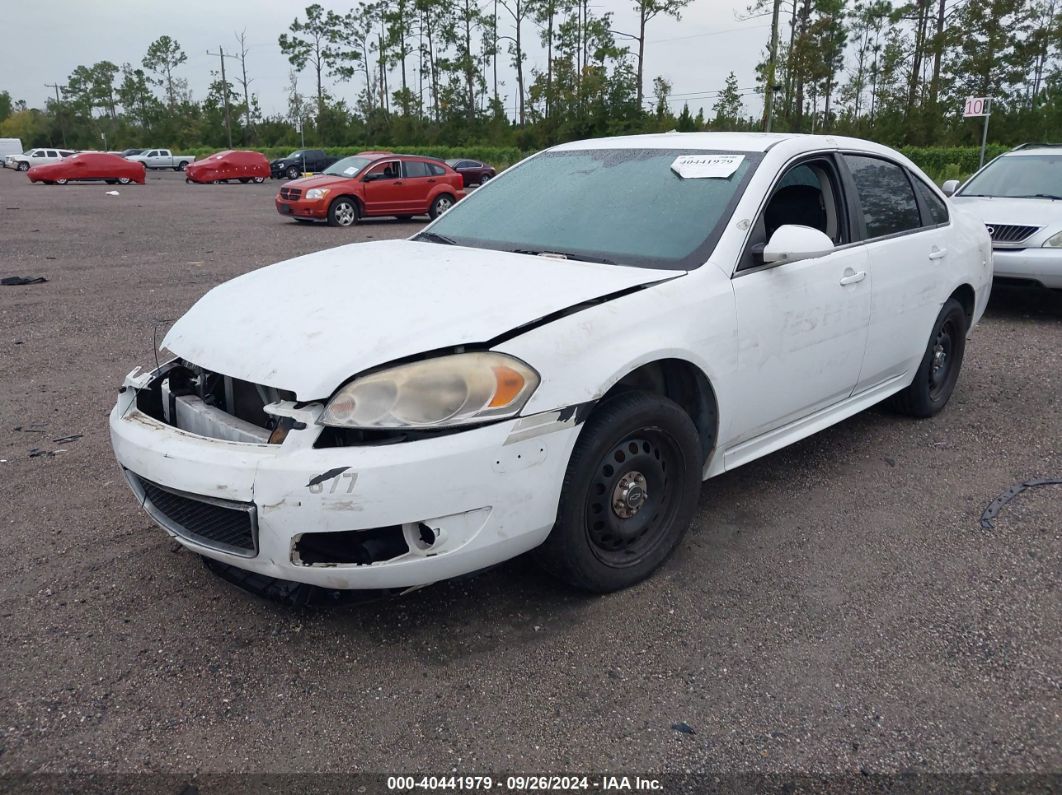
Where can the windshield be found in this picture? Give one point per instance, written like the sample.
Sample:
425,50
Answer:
1018,176
348,166
294,155
626,206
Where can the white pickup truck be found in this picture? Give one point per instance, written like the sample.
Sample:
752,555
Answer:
162,158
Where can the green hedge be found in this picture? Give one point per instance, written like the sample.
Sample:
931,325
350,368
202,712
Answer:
950,162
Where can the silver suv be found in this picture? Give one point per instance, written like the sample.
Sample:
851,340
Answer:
1019,197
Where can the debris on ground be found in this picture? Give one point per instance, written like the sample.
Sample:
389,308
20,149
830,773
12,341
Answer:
38,452
66,439
683,727
14,281
113,193
994,507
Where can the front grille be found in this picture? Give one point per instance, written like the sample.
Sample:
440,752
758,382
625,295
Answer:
219,524
1010,233
291,194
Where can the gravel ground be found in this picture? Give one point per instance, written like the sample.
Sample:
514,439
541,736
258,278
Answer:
836,607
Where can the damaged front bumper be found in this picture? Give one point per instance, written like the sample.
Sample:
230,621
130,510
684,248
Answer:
371,516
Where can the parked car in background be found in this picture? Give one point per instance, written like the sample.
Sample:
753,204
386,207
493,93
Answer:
1018,196
9,146
36,157
372,185
555,364
230,164
474,172
162,158
299,162
89,166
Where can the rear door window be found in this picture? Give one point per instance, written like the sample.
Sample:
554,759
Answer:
885,194
416,168
934,211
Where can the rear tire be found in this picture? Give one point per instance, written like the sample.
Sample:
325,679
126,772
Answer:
124,180
629,493
938,373
441,204
61,181
343,212
181,166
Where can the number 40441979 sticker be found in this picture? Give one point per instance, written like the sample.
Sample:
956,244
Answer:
706,166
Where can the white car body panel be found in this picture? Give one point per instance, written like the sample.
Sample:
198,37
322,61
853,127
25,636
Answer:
786,351
313,350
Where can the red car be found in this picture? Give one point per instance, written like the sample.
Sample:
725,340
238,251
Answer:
372,185
230,164
87,166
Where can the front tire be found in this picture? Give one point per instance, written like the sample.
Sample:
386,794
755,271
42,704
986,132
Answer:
23,166
259,180
124,180
938,373
343,212
293,173
629,494
441,205
61,181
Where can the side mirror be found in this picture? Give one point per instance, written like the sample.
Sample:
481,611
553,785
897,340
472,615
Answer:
790,243
950,187
373,177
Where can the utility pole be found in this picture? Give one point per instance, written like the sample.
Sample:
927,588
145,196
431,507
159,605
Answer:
772,65
224,90
58,109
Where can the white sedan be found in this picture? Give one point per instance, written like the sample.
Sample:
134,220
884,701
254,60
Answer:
554,364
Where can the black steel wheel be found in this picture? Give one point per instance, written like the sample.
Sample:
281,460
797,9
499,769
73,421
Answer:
938,373
629,493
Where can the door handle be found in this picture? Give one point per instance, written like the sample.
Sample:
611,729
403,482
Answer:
938,253
851,277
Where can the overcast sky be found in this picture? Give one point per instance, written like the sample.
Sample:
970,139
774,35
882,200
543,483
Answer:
695,54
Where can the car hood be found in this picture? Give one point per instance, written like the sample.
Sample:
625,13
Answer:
318,181
310,323
1020,212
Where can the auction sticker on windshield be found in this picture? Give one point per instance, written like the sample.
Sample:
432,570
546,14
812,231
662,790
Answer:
706,166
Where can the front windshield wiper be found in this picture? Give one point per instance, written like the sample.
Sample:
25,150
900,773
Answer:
563,255
1038,196
434,237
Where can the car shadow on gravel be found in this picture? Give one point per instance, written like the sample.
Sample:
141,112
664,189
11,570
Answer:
1018,302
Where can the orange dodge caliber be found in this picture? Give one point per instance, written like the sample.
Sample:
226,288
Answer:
372,184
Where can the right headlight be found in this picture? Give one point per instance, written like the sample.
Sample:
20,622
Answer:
1055,241
461,389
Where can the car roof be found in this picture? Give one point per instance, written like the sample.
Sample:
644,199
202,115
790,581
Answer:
1035,149
723,141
